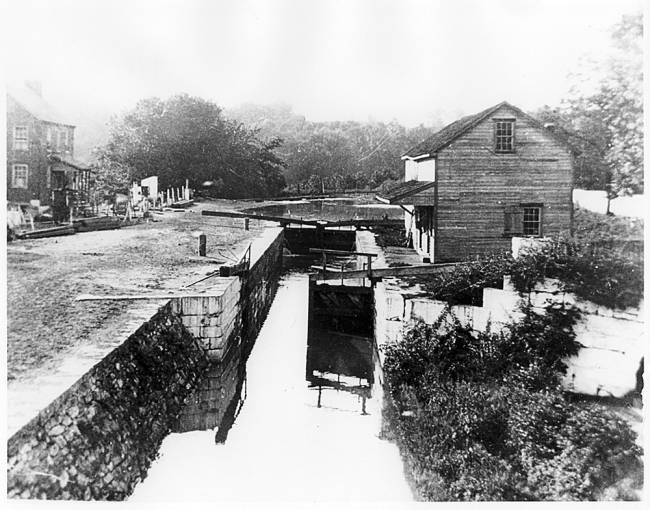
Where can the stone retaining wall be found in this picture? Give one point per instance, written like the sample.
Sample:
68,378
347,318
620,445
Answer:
612,340
97,440
227,326
181,370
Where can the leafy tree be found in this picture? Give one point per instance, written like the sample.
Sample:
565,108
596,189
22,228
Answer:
604,125
111,176
186,137
338,155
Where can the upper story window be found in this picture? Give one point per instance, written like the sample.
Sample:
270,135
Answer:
19,175
21,139
48,135
504,130
63,138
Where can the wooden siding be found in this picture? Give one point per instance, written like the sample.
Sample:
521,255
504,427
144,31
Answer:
475,185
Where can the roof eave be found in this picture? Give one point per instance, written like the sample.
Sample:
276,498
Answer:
397,200
416,158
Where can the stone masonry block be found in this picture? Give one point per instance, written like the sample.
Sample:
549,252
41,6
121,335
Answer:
190,321
214,354
217,342
210,331
175,305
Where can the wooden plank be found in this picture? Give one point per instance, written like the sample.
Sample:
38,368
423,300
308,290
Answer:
261,217
316,223
341,252
386,272
122,297
47,232
365,223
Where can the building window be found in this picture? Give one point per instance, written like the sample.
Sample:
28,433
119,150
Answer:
505,135
48,135
532,221
63,139
523,220
19,176
21,139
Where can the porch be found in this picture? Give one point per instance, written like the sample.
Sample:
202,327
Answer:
417,199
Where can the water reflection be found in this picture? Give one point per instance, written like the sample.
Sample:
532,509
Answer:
340,341
330,210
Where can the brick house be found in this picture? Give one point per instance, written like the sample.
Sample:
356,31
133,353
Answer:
41,169
478,182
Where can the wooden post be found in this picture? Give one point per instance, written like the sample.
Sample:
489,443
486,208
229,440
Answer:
202,245
246,222
319,392
342,266
324,264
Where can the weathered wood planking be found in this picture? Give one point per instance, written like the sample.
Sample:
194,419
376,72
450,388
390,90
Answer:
385,272
475,185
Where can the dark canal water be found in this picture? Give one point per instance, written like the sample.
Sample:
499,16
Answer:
331,209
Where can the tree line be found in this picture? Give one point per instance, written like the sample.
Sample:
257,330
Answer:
262,151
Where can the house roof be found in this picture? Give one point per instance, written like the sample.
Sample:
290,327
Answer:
36,105
396,194
450,132
67,160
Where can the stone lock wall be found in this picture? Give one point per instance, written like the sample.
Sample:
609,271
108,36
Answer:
213,318
227,327
97,440
612,341
181,370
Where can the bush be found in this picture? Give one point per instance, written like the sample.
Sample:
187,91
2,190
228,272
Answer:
606,277
593,227
481,415
465,284
390,236
533,348
602,276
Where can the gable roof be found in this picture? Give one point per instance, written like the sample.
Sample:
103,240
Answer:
36,105
452,131
395,194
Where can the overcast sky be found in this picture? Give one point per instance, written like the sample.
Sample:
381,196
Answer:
409,60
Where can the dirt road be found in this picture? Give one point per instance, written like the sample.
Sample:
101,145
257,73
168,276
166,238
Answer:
45,275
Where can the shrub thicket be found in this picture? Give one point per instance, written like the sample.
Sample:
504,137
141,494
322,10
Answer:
481,415
606,277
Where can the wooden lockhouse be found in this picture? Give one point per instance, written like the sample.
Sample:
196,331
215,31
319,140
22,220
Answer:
478,182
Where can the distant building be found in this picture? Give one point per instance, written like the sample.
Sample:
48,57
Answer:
482,180
41,169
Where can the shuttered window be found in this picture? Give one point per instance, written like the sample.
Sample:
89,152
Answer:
513,221
523,220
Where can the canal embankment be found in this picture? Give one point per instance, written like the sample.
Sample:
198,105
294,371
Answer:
283,446
97,439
